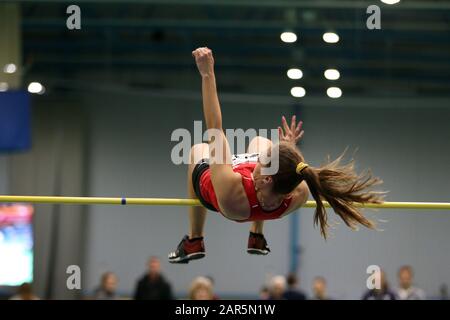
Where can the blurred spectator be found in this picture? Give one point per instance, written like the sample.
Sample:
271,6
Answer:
443,292
292,293
107,288
384,293
277,288
153,285
215,297
24,292
201,289
264,293
406,290
319,288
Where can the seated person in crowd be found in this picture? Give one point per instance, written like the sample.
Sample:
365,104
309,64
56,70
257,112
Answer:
264,293
215,297
201,289
107,288
277,288
292,292
319,288
153,285
406,290
383,293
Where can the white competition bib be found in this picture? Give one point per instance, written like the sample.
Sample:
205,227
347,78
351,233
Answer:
237,159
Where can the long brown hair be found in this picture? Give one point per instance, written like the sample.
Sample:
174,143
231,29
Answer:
334,182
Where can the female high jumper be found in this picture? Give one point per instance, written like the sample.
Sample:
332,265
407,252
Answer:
236,186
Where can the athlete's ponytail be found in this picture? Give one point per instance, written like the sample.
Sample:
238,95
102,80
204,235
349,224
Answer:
342,188
336,183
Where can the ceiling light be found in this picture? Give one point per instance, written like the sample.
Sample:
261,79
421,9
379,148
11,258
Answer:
332,74
334,92
10,68
330,37
288,37
36,87
390,1
298,92
294,74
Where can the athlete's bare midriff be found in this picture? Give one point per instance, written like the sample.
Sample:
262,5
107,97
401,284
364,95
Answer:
235,206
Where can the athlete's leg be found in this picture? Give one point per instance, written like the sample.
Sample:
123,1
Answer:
257,227
197,215
192,246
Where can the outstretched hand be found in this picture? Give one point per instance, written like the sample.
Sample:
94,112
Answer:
204,60
292,133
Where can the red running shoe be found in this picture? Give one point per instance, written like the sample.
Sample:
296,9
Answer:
188,249
257,244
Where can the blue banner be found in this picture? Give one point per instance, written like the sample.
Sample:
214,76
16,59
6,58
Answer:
15,121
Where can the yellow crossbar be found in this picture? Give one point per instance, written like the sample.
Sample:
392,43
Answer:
192,202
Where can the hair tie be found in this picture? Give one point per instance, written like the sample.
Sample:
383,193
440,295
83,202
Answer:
300,167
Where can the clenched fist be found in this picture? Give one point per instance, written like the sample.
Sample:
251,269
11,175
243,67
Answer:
204,60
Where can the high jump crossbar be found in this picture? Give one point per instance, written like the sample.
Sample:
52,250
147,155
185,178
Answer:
192,202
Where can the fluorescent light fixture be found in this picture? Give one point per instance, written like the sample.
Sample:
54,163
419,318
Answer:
332,74
298,92
294,74
36,87
4,86
334,92
10,68
390,1
330,37
288,37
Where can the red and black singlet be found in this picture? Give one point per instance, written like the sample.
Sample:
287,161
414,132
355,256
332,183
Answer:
244,165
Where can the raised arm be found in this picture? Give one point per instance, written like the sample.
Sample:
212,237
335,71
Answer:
222,175
293,133
211,106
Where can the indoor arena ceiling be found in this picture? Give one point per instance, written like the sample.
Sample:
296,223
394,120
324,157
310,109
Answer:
148,44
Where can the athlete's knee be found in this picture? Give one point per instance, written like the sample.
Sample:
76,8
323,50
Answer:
198,152
260,140
258,144
199,148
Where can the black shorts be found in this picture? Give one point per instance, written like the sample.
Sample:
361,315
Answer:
199,168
